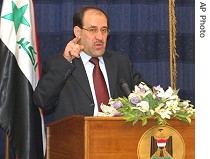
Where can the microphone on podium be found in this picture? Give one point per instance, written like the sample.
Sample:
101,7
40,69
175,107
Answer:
125,87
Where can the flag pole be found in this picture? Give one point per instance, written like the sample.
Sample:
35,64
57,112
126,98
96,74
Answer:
7,147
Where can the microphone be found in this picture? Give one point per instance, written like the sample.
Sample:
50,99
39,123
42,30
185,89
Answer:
125,87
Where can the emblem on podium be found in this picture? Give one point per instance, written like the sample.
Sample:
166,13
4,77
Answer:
161,142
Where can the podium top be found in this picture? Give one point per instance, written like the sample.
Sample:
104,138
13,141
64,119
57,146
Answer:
101,118
88,118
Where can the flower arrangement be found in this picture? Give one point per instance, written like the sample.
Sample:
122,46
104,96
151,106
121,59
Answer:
144,103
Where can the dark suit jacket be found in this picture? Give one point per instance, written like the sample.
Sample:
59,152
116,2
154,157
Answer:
64,86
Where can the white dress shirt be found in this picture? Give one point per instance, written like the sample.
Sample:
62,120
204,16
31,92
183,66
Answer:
89,70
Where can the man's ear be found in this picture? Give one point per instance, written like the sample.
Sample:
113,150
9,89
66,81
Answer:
77,31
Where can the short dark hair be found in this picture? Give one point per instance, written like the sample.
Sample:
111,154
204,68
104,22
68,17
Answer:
78,16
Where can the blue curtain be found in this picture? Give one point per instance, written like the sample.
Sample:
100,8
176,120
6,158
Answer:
139,28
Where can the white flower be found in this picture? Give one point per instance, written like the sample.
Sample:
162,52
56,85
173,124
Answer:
164,113
145,102
142,85
107,111
168,93
190,110
185,103
173,105
143,106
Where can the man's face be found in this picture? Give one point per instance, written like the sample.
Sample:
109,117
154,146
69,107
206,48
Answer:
94,33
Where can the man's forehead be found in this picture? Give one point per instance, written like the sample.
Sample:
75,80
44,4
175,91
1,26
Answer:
92,12
94,16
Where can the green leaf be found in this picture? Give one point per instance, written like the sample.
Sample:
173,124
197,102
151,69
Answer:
144,121
133,114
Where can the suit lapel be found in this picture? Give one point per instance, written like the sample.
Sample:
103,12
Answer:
80,76
111,69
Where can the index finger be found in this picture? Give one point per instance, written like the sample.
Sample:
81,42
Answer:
76,39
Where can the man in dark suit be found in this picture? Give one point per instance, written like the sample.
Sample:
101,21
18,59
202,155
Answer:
66,85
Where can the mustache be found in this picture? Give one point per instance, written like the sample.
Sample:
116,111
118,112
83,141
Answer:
98,42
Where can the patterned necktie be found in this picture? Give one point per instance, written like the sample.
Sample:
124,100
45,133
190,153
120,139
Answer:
99,84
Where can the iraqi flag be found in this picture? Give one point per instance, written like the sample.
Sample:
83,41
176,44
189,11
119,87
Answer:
19,73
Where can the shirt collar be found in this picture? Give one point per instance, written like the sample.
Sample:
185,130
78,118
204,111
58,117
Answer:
85,58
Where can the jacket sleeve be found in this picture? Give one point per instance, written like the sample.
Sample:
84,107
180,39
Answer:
55,72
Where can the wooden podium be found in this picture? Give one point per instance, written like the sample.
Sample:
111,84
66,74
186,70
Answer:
82,137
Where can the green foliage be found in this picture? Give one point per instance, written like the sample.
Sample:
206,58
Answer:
144,103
